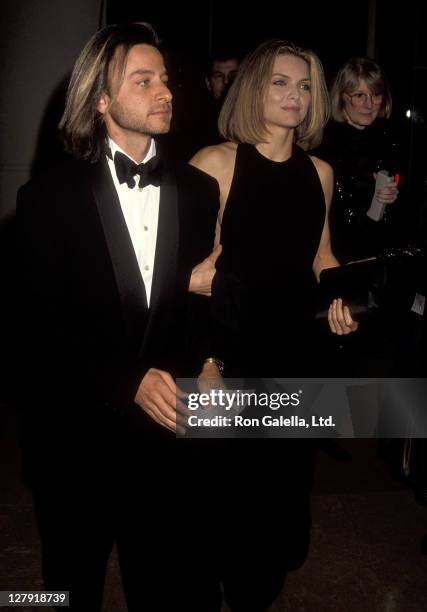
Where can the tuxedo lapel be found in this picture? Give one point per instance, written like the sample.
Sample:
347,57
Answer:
125,265
166,257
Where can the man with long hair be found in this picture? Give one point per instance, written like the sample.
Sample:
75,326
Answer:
107,241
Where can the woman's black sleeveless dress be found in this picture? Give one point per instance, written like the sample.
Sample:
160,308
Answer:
264,290
263,302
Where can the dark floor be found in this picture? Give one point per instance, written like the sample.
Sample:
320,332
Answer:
364,554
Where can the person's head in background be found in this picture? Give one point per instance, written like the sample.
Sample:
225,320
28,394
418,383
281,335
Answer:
360,93
258,91
221,70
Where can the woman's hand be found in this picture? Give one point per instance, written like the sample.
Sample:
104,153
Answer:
387,194
202,275
340,319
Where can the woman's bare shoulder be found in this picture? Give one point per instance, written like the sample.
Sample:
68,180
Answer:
326,176
216,159
324,170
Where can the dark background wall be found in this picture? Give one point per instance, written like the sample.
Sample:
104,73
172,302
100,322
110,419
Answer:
194,30
39,41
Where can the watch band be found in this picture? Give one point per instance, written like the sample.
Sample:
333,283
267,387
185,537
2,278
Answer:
219,364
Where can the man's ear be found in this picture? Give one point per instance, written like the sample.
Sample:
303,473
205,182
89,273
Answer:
208,83
103,103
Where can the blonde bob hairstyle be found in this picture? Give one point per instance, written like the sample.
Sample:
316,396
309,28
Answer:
358,69
242,115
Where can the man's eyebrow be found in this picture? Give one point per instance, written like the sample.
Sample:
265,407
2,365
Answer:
143,72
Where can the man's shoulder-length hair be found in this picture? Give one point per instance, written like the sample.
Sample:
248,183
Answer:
82,126
242,116
347,80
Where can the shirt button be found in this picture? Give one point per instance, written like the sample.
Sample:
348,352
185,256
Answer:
146,267
145,228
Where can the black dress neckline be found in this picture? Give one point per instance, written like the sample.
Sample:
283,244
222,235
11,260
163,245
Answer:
272,162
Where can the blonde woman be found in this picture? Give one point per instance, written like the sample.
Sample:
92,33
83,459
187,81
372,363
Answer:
359,142
274,200
274,235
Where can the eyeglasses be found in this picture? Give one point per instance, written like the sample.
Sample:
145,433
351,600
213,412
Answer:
359,98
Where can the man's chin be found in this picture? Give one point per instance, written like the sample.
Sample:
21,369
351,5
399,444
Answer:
160,124
156,130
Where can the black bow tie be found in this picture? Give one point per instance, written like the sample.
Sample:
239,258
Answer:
126,169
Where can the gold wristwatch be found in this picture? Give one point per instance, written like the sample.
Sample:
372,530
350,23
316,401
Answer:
219,364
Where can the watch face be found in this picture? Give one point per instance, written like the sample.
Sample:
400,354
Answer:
219,364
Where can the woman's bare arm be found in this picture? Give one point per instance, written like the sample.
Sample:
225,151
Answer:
218,162
324,257
339,316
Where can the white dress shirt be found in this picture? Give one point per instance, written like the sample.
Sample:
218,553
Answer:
140,209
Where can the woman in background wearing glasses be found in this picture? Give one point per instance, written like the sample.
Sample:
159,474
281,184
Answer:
358,143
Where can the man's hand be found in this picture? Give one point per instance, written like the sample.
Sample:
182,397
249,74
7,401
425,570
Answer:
160,398
340,319
202,275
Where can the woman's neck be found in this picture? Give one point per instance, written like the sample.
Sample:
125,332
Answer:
277,148
350,122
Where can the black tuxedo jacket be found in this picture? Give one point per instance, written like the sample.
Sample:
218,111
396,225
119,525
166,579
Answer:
87,336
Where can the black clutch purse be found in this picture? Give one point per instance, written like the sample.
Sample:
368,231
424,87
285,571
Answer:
387,281
360,285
